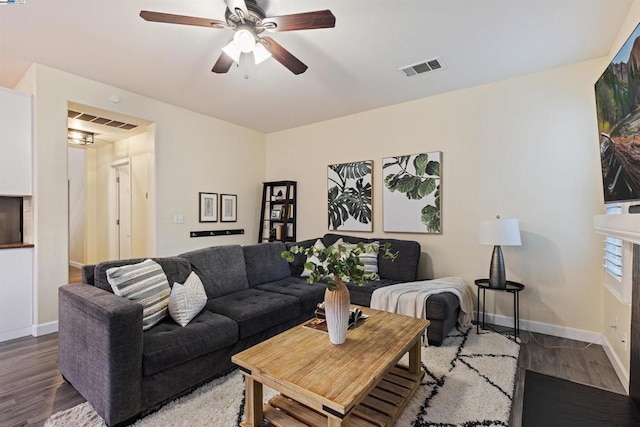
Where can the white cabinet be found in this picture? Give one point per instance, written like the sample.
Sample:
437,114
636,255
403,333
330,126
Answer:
15,292
15,143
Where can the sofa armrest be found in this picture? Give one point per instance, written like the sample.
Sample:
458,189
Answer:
100,349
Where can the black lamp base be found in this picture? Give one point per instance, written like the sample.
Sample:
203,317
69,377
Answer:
497,278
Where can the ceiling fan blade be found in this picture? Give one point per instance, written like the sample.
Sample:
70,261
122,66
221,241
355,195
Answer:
284,57
235,5
181,19
223,64
300,21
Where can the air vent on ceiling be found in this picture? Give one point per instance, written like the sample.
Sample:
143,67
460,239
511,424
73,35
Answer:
100,120
422,67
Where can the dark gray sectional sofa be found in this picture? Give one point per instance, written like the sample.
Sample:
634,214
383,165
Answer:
253,294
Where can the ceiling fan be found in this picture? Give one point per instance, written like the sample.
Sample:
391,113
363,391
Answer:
249,21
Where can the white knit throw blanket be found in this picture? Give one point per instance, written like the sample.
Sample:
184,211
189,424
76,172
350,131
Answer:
410,299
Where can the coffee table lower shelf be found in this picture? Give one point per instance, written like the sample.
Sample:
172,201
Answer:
380,408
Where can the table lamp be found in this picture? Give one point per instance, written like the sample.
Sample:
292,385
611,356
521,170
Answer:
498,232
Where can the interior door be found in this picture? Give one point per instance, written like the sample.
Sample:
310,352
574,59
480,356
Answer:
123,211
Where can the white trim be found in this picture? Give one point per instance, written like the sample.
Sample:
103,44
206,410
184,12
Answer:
546,328
44,329
624,226
623,376
15,333
75,264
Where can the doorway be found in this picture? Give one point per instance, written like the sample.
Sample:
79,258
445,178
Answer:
111,187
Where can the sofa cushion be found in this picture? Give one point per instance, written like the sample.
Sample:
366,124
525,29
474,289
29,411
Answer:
403,269
308,294
264,263
297,266
221,269
177,270
187,300
169,344
146,284
255,310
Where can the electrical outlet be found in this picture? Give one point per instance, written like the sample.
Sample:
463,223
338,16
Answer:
624,340
178,219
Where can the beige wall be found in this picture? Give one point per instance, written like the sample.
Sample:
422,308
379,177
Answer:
193,153
524,148
77,189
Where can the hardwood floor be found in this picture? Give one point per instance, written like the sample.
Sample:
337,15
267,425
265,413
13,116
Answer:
31,389
75,275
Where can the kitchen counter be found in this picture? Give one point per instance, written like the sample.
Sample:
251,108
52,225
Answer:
15,245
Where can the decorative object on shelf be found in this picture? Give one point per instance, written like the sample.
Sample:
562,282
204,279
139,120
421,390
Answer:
411,193
349,193
496,232
208,207
337,264
228,207
276,214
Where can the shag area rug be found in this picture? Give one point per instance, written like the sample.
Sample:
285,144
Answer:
469,381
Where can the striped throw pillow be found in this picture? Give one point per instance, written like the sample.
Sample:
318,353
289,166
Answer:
146,284
368,259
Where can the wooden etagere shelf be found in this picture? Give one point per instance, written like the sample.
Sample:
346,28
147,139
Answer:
278,212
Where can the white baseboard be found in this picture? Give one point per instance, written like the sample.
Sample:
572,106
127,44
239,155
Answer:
44,329
546,328
75,264
623,375
16,333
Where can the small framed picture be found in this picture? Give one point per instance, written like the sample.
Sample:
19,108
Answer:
208,207
228,207
276,214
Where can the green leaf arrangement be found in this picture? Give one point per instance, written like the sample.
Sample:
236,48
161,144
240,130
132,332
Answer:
339,262
418,186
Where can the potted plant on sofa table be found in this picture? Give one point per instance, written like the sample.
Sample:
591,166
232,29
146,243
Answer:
337,264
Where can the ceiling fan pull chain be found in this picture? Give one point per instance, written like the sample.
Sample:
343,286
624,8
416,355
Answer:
246,66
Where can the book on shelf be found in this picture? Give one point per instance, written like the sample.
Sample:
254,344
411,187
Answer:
319,323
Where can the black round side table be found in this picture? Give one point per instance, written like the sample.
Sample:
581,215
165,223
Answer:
511,287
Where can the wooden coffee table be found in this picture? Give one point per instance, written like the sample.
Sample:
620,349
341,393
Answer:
358,383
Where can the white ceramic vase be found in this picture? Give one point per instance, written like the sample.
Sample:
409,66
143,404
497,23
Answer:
336,306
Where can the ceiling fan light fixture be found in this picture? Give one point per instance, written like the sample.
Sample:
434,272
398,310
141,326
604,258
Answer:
244,40
232,50
260,53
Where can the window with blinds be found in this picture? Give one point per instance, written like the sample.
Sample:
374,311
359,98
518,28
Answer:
613,257
617,276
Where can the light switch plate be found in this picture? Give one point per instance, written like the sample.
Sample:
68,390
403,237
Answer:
178,219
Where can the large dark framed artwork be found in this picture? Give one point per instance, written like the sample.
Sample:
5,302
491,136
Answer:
617,105
350,192
411,194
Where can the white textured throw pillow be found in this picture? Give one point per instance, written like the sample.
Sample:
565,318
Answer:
314,259
187,300
146,284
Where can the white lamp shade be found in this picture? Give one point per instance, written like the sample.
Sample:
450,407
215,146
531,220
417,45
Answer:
232,50
503,231
260,53
244,40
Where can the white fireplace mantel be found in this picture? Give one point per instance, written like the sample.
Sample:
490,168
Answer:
625,226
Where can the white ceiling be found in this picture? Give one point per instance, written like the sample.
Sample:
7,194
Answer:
352,67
